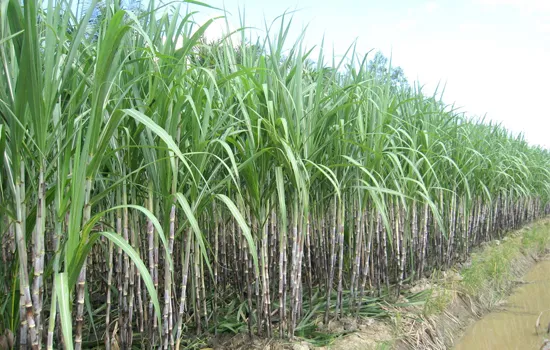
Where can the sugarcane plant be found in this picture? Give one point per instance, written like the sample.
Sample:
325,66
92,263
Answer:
156,185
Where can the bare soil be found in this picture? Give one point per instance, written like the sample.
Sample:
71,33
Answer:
363,335
367,336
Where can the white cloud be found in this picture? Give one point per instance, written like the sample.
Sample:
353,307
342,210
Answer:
406,24
431,6
543,25
524,5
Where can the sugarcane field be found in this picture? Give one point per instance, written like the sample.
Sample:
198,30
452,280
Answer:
162,188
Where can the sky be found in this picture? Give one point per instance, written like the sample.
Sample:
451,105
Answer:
492,56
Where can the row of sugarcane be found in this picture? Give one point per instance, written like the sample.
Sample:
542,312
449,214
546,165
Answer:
155,186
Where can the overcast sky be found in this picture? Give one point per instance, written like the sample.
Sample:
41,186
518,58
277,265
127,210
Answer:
493,55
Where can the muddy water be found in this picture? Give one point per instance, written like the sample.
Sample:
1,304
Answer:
514,328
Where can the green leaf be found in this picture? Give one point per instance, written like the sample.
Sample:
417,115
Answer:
160,132
86,244
244,228
144,272
63,300
195,226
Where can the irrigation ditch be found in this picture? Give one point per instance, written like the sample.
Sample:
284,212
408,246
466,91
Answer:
471,290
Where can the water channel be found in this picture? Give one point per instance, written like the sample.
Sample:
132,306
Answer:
514,327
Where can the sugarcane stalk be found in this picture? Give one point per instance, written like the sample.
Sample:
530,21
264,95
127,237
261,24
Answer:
132,275
253,223
38,254
126,327
400,221
266,301
358,253
168,280
384,273
248,280
53,307
282,250
185,272
81,282
198,277
365,225
340,225
108,297
216,264
26,306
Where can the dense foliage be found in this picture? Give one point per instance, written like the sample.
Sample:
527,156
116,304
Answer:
155,186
